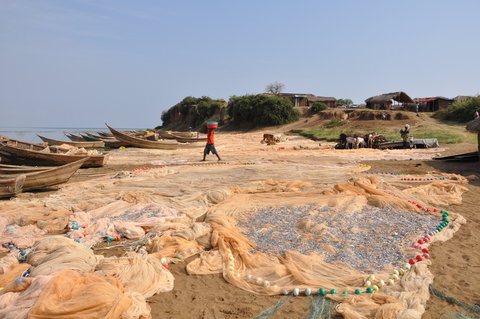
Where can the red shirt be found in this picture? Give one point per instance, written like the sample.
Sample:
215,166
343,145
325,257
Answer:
210,136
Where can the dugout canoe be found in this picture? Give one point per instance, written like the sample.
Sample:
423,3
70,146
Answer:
105,134
110,142
21,169
18,152
189,139
85,144
143,143
11,186
49,177
74,138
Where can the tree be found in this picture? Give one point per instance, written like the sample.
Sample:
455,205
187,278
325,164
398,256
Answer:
344,102
261,110
275,88
318,106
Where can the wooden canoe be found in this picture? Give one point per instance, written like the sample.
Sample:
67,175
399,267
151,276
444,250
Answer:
110,142
20,169
50,177
105,134
74,138
18,152
143,143
189,139
11,186
177,135
84,144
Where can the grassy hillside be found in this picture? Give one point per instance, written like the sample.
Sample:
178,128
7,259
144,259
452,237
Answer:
424,126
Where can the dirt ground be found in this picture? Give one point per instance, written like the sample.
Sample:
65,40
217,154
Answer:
455,262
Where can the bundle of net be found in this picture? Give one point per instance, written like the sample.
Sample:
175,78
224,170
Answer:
351,242
64,279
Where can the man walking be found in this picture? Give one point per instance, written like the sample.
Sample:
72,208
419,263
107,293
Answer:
210,147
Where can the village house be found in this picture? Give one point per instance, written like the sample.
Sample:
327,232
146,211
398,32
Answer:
389,101
307,100
433,104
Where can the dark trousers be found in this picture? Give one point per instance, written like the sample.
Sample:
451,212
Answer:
210,148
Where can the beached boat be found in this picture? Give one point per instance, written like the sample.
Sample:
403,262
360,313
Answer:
105,134
110,142
189,139
143,143
48,177
173,135
11,186
20,169
84,144
18,152
74,138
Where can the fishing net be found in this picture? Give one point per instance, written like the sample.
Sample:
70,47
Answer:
274,243
268,227
74,295
139,273
57,253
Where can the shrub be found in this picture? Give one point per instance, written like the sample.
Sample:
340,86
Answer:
461,111
194,111
261,110
165,118
318,106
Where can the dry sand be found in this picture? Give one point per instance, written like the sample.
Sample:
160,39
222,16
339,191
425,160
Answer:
455,262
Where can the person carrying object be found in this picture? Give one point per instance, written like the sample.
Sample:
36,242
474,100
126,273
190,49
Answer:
210,147
405,133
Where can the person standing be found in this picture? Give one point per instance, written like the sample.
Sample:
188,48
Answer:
476,115
210,147
405,133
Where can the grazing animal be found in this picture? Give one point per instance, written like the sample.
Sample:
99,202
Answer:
355,142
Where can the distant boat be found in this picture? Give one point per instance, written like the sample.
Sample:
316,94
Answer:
74,138
19,152
47,177
110,142
88,138
11,186
189,139
105,134
84,144
143,143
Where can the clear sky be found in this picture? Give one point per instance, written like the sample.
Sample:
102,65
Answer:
80,63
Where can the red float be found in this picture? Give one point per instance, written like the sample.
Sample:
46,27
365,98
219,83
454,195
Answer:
420,242
411,261
425,250
419,258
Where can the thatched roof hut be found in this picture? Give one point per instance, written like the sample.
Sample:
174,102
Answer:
384,101
474,126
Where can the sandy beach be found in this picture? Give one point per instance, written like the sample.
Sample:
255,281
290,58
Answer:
177,179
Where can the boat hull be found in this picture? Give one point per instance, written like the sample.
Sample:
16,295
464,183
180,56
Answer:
139,142
86,144
17,152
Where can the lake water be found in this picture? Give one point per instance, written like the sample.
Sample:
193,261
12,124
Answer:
29,134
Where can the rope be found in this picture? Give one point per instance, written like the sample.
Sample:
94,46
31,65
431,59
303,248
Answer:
272,310
322,308
447,298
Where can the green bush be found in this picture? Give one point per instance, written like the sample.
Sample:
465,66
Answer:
261,110
318,106
165,118
194,110
461,111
